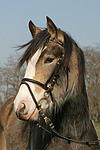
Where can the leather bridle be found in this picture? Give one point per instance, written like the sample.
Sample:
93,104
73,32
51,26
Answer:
48,87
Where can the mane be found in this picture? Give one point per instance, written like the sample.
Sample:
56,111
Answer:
41,39
38,138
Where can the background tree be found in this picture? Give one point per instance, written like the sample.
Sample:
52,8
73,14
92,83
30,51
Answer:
10,78
92,57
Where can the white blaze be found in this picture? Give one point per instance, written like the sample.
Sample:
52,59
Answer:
24,94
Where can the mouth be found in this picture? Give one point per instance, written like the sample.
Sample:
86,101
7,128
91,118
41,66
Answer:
44,104
34,115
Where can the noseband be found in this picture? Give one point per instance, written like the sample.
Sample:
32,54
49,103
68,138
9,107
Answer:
48,87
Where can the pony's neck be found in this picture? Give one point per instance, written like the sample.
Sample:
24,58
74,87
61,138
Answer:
75,116
76,124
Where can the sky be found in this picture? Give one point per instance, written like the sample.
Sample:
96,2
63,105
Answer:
79,18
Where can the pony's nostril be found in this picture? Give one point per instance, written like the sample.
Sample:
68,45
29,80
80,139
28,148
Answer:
22,110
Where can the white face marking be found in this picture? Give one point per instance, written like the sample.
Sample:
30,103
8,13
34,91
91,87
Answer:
23,95
30,71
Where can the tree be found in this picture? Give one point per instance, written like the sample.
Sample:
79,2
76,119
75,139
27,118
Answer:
92,57
10,78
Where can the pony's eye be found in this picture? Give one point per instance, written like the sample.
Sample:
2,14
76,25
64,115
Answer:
48,60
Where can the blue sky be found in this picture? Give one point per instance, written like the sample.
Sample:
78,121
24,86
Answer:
79,18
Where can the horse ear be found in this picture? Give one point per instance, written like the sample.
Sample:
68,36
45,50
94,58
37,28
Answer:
51,27
33,29
54,31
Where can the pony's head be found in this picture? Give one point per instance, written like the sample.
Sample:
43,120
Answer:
54,73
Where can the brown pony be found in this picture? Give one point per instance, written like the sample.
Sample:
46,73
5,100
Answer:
50,111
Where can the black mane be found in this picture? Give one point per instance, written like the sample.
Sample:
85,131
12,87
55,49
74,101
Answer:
40,40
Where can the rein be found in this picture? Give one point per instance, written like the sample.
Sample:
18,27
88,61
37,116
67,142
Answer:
48,87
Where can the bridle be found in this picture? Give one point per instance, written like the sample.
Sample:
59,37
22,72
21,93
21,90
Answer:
48,87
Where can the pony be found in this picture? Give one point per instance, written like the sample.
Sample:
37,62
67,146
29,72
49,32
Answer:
50,110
